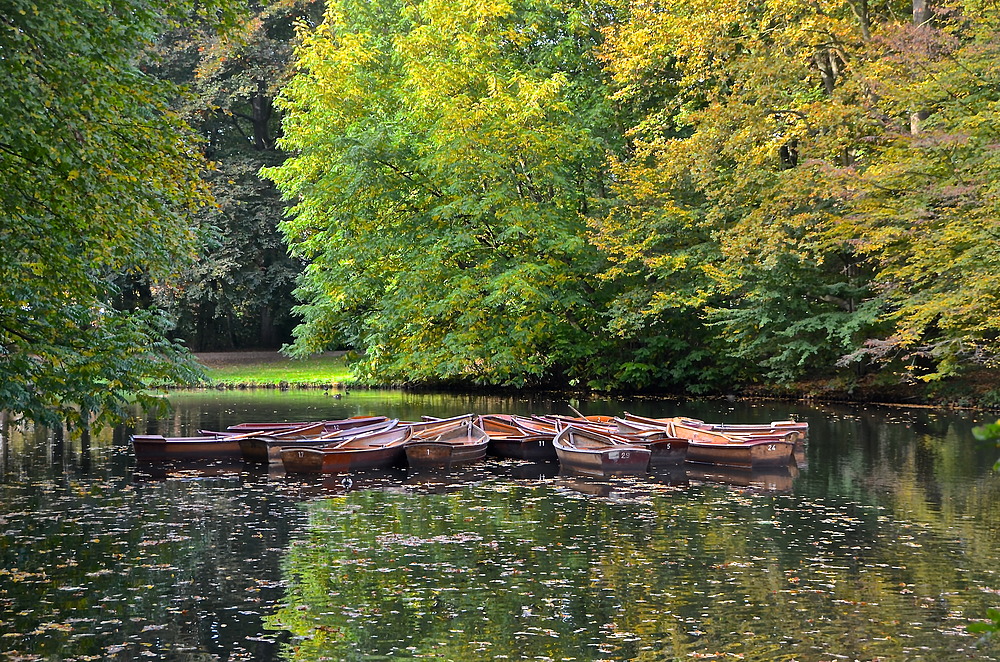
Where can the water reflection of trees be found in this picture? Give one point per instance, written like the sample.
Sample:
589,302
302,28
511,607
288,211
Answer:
498,570
886,540
105,568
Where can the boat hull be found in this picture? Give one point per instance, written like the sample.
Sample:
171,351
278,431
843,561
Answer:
770,452
627,460
261,450
443,454
533,449
298,459
446,443
666,452
326,426
155,448
266,449
589,452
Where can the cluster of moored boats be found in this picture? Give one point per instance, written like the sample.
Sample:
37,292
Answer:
589,444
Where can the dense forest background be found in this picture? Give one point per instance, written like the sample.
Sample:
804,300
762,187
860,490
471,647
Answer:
655,194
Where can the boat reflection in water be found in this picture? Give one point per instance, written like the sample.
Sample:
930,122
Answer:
189,469
767,478
614,488
673,475
526,470
306,486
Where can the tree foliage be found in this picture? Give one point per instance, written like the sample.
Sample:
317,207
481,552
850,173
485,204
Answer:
694,193
238,293
783,140
447,156
623,193
100,178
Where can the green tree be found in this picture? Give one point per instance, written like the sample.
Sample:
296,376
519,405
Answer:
100,178
446,159
926,206
239,292
830,162
733,146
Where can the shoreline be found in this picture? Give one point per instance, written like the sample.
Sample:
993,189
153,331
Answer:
270,370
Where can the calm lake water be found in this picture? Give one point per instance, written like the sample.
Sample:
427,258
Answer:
882,542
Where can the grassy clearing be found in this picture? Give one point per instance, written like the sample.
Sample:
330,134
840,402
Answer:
274,369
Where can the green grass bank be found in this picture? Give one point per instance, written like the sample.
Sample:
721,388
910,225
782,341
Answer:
272,369
978,389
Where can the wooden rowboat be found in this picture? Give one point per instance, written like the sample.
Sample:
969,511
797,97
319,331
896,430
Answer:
447,444
328,426
800,428
592,452
511,441
157,448
372,450
714,447
266,448
665,449
753,453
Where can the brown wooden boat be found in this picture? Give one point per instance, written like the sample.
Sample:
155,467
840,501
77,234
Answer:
372,450
536,424
328,426
265,448
666,449
589,451
714,447
447,444
512,441
800,428
157,448
429,424
751,453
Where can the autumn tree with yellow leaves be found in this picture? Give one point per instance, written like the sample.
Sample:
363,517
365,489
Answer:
645,194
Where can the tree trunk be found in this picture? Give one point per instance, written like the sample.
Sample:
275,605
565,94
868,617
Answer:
261,118
921,21
267,335
860,8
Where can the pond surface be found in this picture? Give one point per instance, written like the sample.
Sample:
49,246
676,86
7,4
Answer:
882,542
